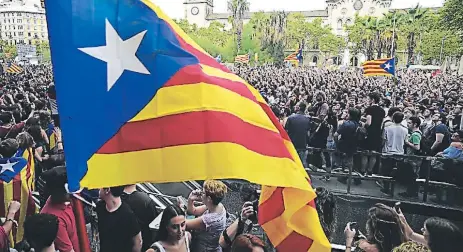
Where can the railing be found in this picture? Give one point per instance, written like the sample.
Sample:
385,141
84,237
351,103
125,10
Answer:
426,162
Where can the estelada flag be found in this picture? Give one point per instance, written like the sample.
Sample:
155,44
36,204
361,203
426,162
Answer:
14,186
142,101
292,57
379,67
28,155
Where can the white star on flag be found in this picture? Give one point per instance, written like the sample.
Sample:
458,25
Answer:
7,167
387,66
118,54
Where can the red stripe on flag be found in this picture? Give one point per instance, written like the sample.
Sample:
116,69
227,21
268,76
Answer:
31,207
375,72
295,242
193,74
372,67
195,128
273,207
312,204
275,121
373,64
28,173
17,191
17,188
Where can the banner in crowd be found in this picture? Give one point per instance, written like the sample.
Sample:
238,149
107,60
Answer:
26,51
160,109
379,67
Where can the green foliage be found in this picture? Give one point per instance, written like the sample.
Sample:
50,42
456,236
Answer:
414,31
452,15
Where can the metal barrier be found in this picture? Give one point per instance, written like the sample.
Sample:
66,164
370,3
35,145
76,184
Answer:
353,173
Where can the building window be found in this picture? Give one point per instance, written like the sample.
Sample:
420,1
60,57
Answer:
35,21
21,33
20,27
14,34
340,24
19,14
29,34
35,28
19,21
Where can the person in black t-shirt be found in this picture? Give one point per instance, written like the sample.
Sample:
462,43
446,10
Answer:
298,126
145,210
117,225
374,119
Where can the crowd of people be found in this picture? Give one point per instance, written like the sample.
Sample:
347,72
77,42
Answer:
414,114
417,114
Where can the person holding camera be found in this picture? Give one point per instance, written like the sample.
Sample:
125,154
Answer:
384,231
439,235
238,226
211,216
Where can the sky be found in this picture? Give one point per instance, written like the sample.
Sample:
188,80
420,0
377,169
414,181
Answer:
174,8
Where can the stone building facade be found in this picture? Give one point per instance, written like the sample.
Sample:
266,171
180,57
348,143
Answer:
22,22
336,14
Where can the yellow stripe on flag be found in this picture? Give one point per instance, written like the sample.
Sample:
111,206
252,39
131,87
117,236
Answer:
24,204
184,98
277,229
214,72
202,158
8,197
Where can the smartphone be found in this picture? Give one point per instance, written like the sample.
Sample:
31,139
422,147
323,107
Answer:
353,225
397,207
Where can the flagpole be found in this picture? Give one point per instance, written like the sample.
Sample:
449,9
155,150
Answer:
393,37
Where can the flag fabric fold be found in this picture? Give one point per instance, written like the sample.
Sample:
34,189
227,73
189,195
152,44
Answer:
379,67
15,179
166,111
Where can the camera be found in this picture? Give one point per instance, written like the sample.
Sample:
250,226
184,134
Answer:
249,194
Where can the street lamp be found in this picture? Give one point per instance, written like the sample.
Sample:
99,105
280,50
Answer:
442,49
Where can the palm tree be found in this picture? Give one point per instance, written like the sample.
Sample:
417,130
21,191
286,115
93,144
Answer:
259,21
412,16
238,8
370,27
274,34
390,34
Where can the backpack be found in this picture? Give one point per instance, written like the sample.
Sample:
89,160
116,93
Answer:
361,134
427,141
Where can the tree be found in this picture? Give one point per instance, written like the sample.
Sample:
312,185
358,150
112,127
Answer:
452,15
412,26
274,35
237,8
